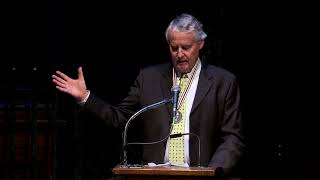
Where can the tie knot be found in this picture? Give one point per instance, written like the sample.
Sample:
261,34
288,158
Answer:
184,76
183,82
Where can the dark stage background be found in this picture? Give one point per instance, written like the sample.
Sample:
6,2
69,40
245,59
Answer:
265,45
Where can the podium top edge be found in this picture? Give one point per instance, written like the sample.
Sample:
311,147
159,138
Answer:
165,170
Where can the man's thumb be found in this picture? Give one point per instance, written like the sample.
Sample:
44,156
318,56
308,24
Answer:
80,73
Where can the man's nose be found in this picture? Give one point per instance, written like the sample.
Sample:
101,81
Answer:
179,53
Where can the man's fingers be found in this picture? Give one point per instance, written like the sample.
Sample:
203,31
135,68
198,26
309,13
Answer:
58,79
62,89
63,76
63,85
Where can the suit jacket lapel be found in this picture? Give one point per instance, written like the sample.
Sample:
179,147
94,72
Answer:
166,84
204,85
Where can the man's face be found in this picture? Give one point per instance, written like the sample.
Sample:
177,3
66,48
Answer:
184,50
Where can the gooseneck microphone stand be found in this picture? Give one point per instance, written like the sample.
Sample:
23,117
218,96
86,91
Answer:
125,143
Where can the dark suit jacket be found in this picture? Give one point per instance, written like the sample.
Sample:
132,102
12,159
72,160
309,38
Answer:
215,114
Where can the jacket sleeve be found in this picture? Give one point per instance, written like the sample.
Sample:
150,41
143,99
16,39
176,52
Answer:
116,115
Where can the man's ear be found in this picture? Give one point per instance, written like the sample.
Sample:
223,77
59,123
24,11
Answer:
201,43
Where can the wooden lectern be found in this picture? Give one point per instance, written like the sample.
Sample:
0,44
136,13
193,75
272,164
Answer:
165,173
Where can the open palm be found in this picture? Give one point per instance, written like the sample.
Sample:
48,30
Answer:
75,87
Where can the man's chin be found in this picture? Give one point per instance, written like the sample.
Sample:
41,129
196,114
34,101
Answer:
183,70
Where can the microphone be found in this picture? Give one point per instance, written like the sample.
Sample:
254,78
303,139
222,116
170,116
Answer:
175,91
199,143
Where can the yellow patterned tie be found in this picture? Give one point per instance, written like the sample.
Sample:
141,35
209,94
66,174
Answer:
176,149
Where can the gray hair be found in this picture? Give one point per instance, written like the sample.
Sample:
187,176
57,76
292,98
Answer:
186,23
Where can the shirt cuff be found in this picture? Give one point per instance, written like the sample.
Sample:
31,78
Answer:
81,103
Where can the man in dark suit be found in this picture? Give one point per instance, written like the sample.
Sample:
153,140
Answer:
211,102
